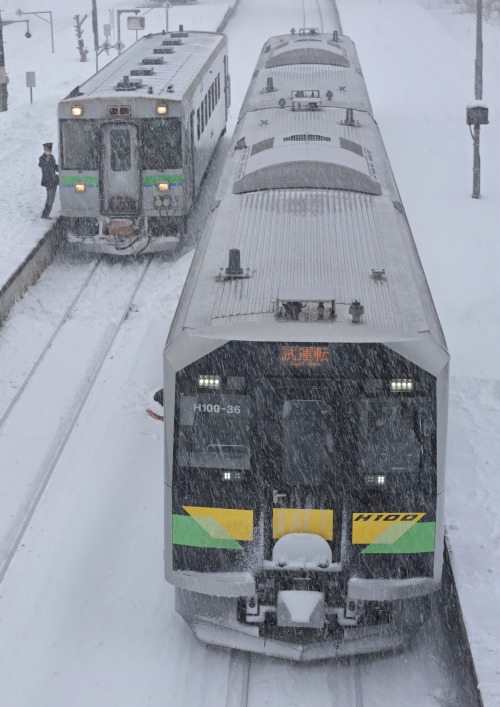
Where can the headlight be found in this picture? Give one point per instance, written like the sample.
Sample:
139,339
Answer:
77,111
208,381
163,186
162,109
401,385
80,187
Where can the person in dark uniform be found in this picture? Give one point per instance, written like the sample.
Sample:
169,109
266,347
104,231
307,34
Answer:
50,176
158,398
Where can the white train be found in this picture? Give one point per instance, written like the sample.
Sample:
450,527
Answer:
306,382
136,140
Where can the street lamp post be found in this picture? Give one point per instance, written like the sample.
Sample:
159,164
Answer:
156,4
49,21
477,111
4,94
119,13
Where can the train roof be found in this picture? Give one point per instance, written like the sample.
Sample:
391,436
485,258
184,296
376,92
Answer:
309,199
293,62
167,63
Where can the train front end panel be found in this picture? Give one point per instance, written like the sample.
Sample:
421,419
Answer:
303,496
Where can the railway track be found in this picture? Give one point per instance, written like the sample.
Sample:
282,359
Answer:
76,339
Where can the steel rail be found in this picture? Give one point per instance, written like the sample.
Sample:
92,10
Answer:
64,438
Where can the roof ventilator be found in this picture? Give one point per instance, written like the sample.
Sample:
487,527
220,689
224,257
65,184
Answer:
306,99
170,88
171,42
356,310
378,274
313,306
234,271
349,118
335,36
180,33
128,85
163,50
270,85
153,60
142,72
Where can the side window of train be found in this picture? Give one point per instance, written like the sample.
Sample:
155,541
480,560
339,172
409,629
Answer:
161,143
198,123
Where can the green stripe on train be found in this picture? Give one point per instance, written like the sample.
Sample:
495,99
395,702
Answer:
79,179
419,538
187,530
152,179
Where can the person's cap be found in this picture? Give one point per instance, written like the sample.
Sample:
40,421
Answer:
48,144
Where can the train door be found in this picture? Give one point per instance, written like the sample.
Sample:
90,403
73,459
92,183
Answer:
120,169
300,460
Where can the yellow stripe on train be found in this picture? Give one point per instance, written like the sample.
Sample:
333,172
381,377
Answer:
224,522
302,520
385,528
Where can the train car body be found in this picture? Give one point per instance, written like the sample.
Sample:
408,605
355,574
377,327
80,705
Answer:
306,382
136,140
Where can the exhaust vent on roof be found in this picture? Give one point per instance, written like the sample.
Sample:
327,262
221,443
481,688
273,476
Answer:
153,60
178,34
163,50
128,85
171,42
307,137
142,72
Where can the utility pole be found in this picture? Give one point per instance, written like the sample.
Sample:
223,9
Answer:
477,111
96,33
3,74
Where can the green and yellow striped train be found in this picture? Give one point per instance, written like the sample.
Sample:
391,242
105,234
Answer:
306,382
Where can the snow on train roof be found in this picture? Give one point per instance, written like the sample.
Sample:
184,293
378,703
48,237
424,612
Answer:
287,61
309,199
269,86
175,59
342,245
286,148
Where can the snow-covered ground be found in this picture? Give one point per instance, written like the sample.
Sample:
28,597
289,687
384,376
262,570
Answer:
418,60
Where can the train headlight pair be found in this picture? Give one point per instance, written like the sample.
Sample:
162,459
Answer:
401,385
80,187
208,382
163,186
77,111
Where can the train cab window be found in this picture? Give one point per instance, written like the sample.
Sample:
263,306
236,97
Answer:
79,145
161,143
307,442
120,149
214,431
390,436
